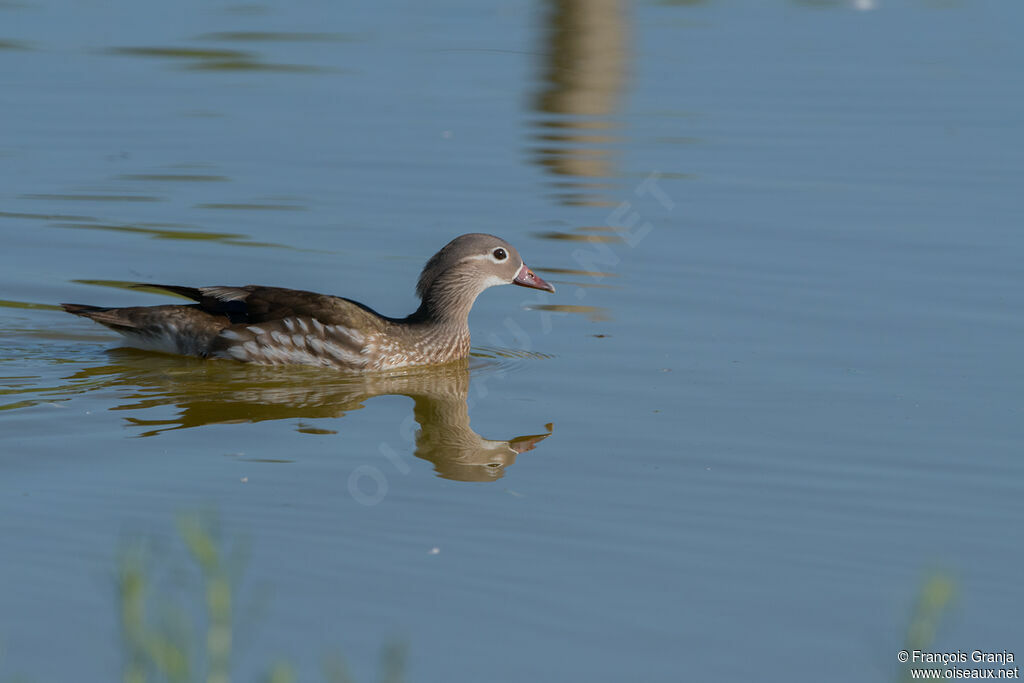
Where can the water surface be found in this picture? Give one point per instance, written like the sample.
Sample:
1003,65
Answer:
778,385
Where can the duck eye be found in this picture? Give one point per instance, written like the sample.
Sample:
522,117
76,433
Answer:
500,254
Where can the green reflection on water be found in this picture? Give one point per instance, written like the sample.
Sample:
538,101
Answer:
593,313
45,216
17,404
279,37
213,59
24,304
579,236
250,65
235,239
575,271
180,52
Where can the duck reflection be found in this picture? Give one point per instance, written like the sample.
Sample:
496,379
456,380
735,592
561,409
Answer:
209,393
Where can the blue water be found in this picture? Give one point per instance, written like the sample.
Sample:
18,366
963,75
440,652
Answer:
779,385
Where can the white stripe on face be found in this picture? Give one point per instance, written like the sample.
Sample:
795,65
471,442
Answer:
489,256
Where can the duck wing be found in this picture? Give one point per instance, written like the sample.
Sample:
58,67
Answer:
257,304
275,325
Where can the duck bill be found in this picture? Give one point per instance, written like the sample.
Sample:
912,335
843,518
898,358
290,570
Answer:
527,278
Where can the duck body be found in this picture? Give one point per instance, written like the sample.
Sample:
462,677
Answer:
274,326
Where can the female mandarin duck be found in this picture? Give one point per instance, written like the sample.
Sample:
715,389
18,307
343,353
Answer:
271,325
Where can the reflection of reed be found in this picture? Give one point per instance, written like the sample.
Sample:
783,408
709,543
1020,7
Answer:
213,59
208,393
173,231
584,74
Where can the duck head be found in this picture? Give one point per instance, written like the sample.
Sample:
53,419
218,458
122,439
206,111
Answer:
453,277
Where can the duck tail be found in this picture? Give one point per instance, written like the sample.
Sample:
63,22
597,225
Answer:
110,317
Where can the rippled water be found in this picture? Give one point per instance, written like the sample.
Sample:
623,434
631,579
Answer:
778,385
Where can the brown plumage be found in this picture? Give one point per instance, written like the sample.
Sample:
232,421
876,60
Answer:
273,325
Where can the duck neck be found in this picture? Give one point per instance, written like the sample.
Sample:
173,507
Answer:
446,304
440,330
